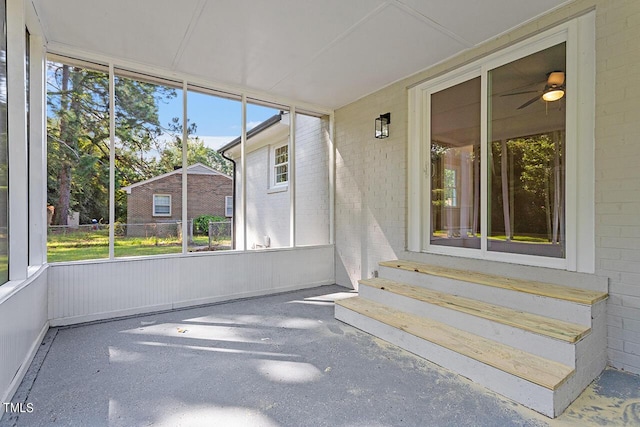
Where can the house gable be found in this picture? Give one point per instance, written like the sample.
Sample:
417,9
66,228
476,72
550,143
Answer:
206,189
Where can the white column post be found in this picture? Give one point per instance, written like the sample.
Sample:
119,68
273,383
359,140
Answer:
37,153
243,174
17,141
185,142
332,180
292,173
112,160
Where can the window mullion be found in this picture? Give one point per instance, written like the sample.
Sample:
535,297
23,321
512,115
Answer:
290,176
185,165
112,160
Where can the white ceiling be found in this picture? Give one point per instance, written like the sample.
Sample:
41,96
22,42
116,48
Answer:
328,53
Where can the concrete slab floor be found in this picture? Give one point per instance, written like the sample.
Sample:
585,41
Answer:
280,360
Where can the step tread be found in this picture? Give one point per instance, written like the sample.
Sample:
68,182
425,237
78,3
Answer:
535,369
558,329
581,296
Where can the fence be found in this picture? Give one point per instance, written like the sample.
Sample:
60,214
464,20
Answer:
219,233
69,229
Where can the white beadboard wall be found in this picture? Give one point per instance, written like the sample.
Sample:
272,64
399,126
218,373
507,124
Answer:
23,323
81,292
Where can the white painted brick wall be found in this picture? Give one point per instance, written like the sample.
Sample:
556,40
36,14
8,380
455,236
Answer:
371,174
370,185
618,175
312,180
268,212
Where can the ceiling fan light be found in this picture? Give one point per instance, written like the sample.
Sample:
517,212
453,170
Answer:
555,78
553,94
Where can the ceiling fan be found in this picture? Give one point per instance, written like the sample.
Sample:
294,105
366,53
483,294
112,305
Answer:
553,90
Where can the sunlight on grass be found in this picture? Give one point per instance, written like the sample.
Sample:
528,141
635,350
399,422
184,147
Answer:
94,244
518,238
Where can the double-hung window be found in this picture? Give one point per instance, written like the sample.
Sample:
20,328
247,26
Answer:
500,158
280,165
161,205
228,206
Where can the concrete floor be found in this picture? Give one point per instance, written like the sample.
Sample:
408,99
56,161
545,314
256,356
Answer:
281,360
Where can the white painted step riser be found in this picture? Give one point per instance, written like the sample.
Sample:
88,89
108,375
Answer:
592,351
549,348
531,395
549,307
575,384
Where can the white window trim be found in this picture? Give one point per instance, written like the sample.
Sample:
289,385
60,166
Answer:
579,35
154,205
273,185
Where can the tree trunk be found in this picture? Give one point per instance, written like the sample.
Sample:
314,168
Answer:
476,190
557,202
547,205
505,190
64,198
512,196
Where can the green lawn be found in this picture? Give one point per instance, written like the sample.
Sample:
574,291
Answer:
94,244
531,238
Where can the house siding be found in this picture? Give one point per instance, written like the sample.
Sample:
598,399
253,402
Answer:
371,175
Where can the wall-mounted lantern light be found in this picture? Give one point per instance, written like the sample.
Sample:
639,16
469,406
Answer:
382,125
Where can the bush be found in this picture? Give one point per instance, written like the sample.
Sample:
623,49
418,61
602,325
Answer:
201,223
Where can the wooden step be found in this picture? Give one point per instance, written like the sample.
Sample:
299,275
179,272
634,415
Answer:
558,329
535,369
580,296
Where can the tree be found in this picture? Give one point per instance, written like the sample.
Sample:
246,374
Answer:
197,152
78,138
77,128
533,201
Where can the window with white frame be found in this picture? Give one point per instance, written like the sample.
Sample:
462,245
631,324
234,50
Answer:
280,165
492,146
228,206
161,205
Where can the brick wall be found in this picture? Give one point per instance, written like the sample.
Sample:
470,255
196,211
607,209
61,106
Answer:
206,196
618,174
370,184
312,180
268,212
371,175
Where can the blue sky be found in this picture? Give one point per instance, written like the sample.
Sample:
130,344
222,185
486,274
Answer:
218,120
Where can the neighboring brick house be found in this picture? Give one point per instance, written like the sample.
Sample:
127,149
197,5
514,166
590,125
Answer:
158,200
